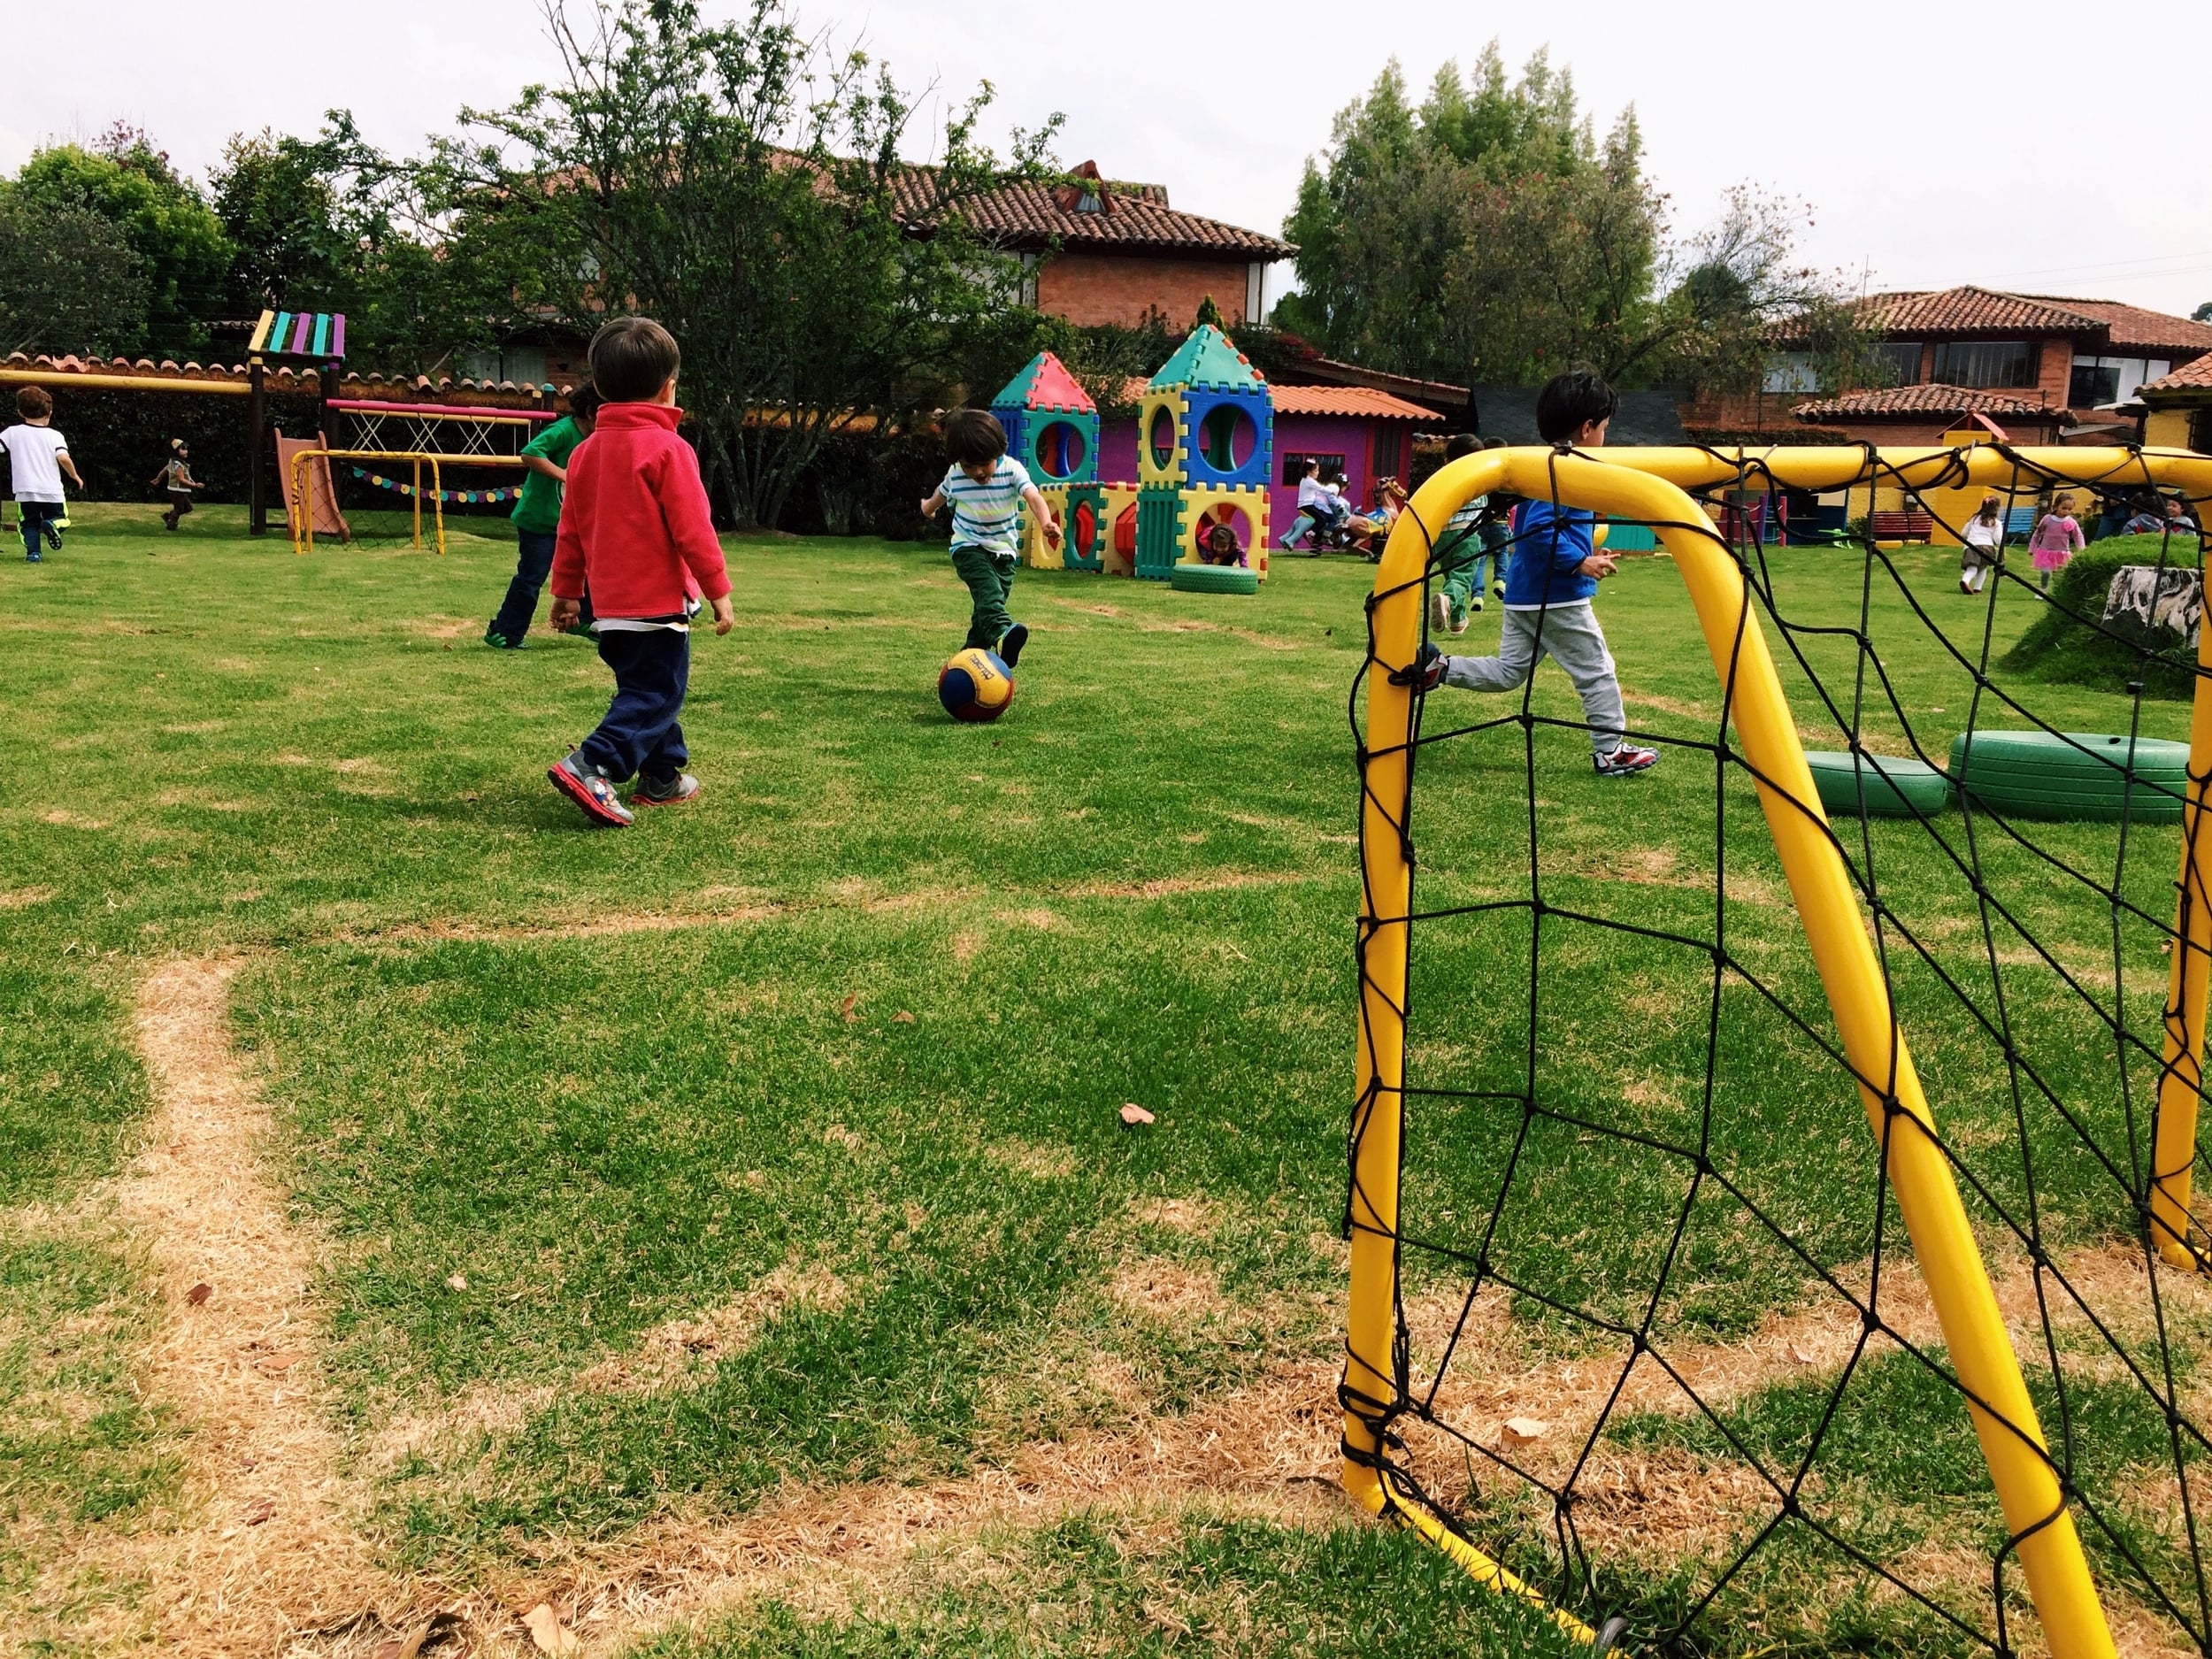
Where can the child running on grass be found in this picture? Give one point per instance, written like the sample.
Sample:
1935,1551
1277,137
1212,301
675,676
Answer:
38,457
537,516
1556,569
636,521
986,488
1472,538
1982,537
175,480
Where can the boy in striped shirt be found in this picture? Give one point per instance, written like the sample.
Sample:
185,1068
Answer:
987,489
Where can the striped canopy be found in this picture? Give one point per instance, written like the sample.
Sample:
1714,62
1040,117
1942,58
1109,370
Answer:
300,334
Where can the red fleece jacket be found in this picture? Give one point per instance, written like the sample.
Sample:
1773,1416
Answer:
634,518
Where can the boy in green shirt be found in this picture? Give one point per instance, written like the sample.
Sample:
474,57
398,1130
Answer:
537,516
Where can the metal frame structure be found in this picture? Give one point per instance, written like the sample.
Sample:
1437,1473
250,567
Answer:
1648,485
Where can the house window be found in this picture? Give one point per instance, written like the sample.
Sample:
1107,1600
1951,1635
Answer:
2100,382
1793,372
1899,361
2200,431
1984,362
1295,464
2093,384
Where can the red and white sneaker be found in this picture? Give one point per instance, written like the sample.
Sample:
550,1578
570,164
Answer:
586,785
1623,760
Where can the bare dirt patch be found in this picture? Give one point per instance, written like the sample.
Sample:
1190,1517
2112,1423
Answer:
1161,1289
266,1545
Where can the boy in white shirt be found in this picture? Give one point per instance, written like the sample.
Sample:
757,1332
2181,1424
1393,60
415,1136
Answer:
37,457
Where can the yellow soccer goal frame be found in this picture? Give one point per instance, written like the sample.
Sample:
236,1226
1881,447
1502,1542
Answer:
1648,485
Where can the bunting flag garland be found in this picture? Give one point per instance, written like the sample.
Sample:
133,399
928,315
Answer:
471,497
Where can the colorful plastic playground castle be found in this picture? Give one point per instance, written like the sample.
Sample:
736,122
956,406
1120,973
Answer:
1205,441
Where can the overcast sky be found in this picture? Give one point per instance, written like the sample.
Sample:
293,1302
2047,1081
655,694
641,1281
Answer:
2053,148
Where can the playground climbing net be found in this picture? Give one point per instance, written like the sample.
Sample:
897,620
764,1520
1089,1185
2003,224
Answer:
1771,1233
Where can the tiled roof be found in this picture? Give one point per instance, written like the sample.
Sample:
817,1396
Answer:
1970,310
2195,376
1030,213
1359,402
377,384
1922,400
2131,328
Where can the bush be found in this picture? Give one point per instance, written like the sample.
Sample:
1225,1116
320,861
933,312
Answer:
2058,648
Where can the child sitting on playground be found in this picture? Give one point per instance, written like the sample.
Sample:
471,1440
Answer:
37,458
988,488
634,527
175,480
537,518
1319,507
1555,571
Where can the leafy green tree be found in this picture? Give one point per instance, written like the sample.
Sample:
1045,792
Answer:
744,187
69,281
334,224
162,216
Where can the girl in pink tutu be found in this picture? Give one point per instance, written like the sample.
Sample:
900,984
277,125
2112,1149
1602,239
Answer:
2057,539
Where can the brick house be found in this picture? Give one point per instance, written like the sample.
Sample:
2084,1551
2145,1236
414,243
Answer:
1100,251
2041,365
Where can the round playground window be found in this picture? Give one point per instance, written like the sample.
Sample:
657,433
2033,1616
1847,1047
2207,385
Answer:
1060,448
1227,437
1162,437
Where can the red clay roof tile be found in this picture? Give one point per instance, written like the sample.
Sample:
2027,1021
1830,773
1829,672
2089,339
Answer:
1932,399
1028,215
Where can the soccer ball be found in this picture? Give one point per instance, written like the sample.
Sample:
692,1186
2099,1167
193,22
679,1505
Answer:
976,685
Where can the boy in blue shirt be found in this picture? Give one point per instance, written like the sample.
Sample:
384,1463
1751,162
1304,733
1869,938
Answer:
988,489
1554,573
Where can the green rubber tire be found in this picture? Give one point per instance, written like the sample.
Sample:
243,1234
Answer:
1878,786
2037,775
1213,579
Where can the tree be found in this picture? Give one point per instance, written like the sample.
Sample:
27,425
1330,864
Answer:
69,281
334,224
2203,313
162,216
744,185
1486,234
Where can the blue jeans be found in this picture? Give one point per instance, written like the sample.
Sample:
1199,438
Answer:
642,733
36,515
534,560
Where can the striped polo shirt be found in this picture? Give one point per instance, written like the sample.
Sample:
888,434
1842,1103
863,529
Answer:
988,515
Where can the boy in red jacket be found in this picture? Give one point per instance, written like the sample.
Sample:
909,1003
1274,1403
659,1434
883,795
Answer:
634,528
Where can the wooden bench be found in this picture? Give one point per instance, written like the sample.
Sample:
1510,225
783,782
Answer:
1902,527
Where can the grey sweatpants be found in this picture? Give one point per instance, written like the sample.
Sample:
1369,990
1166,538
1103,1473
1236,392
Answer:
1571,638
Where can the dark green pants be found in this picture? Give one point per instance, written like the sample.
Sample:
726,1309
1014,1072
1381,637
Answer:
990,579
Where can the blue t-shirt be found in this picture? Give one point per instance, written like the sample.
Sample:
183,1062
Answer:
1550,542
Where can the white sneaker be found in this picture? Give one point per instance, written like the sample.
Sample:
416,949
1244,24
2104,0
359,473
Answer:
1440,612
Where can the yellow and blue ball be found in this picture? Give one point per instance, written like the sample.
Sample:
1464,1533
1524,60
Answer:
976,685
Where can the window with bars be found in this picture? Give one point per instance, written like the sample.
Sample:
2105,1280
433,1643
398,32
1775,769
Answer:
1984,362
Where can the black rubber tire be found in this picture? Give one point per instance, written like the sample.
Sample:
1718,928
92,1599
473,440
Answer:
1888,786
2037,775
1213,579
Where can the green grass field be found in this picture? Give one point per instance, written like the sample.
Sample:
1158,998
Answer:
760,1165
